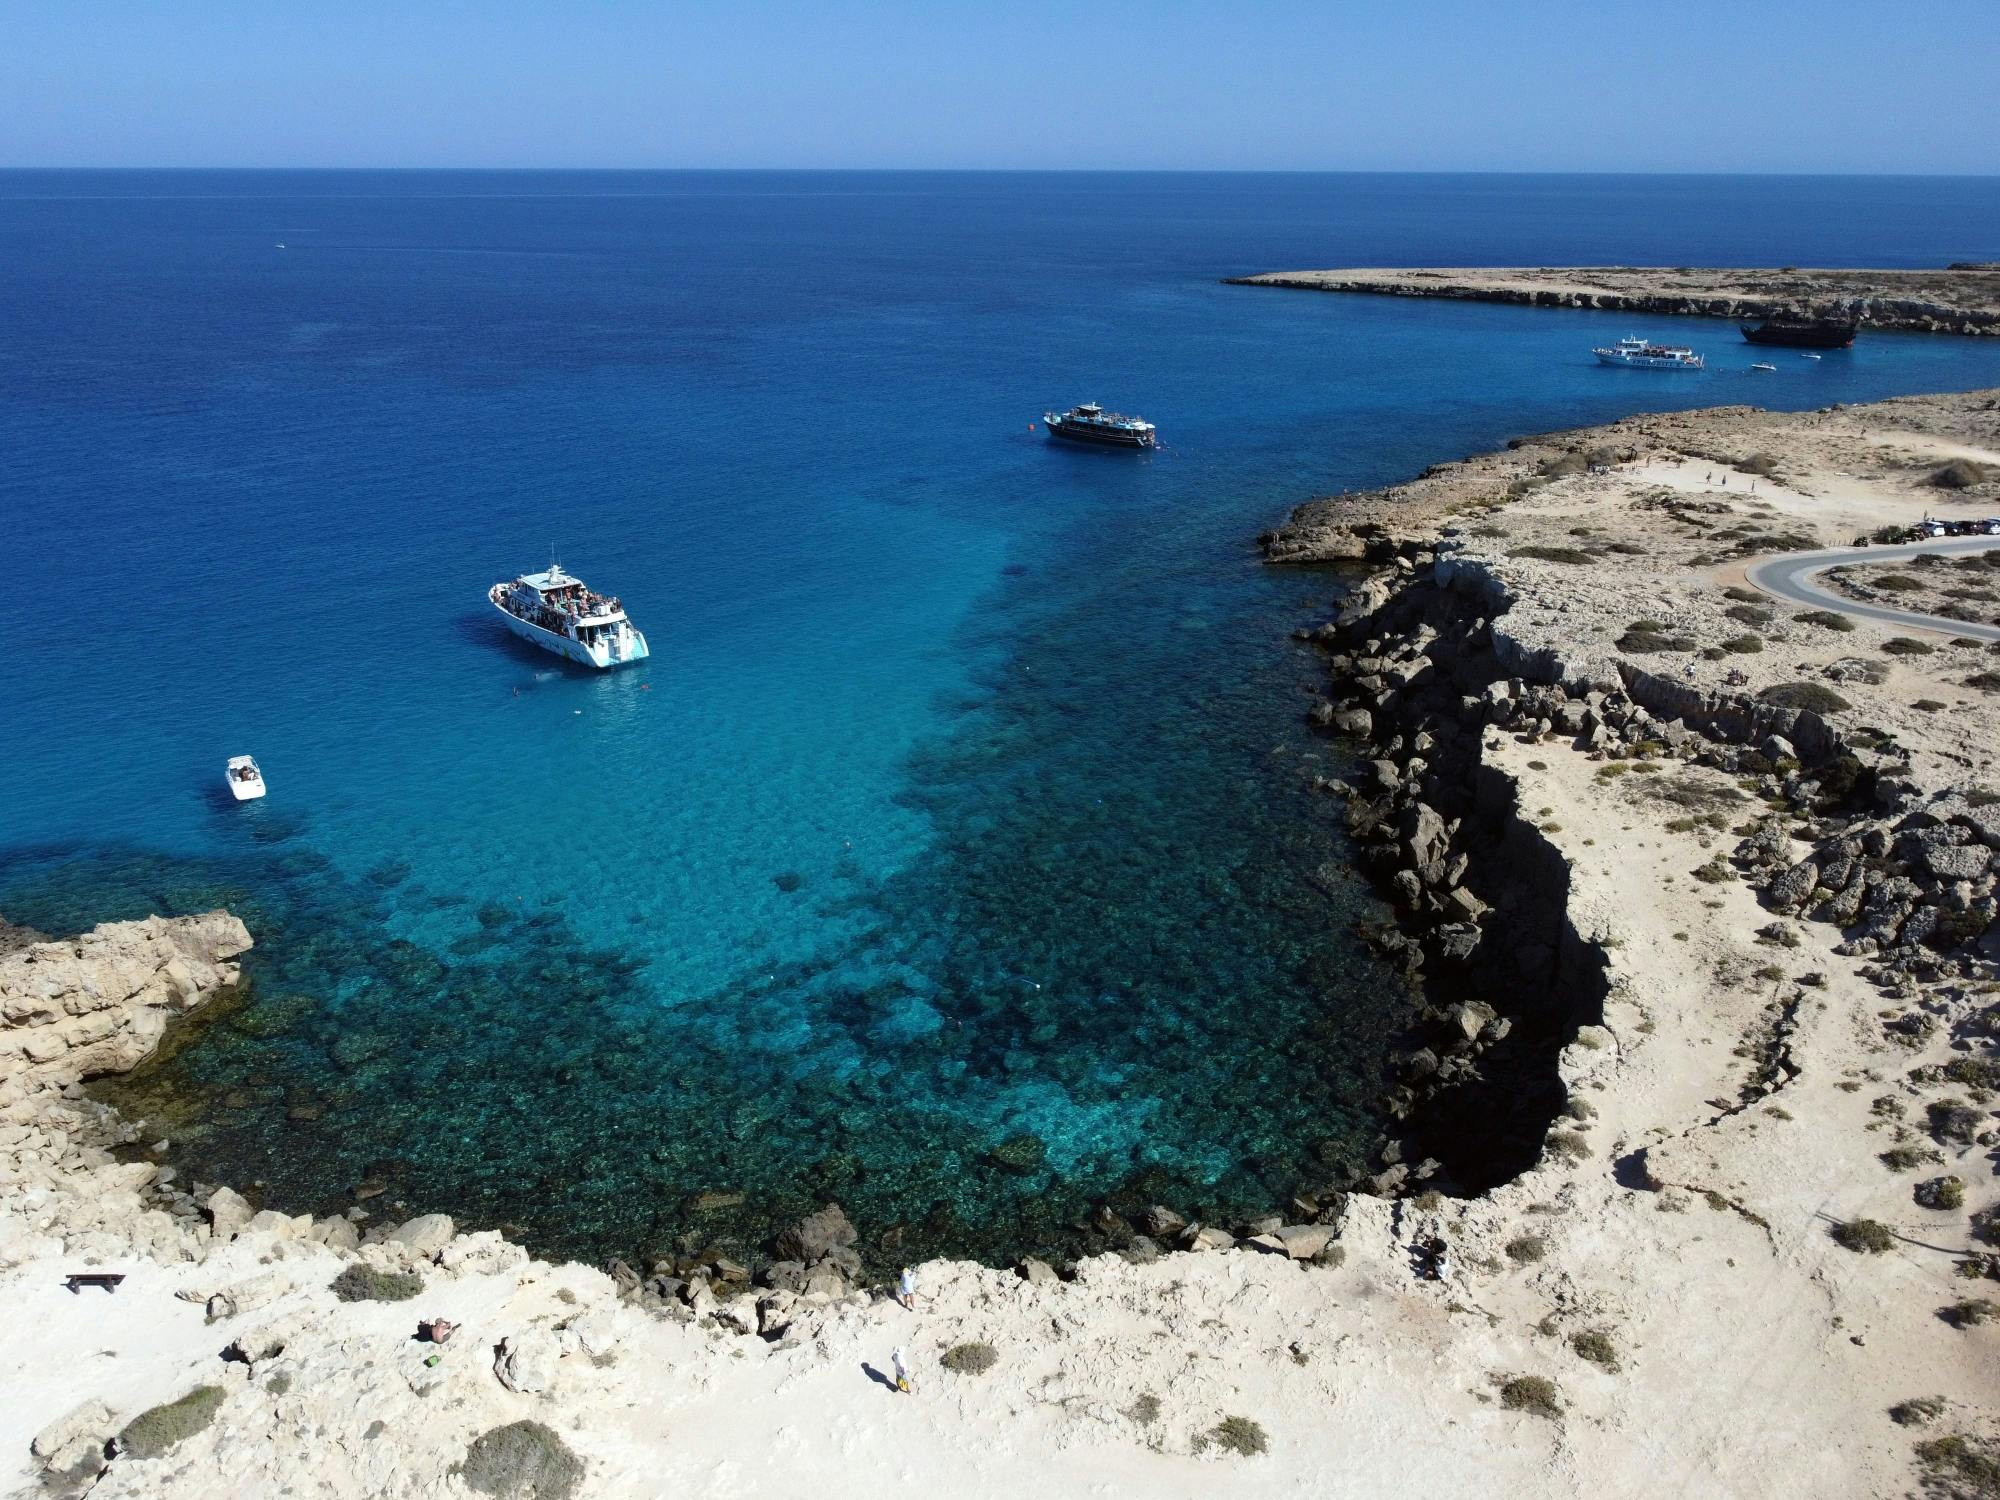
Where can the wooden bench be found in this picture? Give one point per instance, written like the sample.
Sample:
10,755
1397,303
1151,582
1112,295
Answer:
78,1280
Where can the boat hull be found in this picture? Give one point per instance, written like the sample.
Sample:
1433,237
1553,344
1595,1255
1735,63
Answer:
576,651
1097,437
1642,362
1800,335
245,791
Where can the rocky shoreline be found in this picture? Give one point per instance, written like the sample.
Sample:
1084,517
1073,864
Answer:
1962,299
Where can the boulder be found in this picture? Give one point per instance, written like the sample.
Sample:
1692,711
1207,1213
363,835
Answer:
527,1361
784,1276
228,1212
1468,1018
1424,835
816,1234
79,1434
1957,861
1297,1241
1207,1237
481,1254
1038,1271
1791,887
424,1235
278,1226
249,1294
1355,721
824,1283
1162,1222
340,1234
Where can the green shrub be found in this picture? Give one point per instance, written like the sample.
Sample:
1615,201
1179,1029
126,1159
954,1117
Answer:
1826,619
1563,466
1531,1393
1146,1410
1239,1435
1743,645
1595,1345
1973,1072
1986,682
1971,1312
367,1284
1748,614
1902,645
1759,463
1945,1194
1959,474
1553,554
1960,1468
521,1461
1569,1145
155,1431
1742,595
1863,1236
1804,695
1643,637
1895,583
970,1359
1917,1411
1527,1249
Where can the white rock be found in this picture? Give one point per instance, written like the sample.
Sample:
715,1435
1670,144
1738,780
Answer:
482,1254
527,1361
596,1333
229,1211
426,1235
74,1435
270,1221
251,1293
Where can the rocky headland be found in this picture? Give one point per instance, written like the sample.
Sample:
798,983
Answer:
1958,299
1697,890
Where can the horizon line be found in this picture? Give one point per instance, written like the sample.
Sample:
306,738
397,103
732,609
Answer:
1052,171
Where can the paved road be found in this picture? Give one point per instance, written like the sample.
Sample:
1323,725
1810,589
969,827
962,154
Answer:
1790,577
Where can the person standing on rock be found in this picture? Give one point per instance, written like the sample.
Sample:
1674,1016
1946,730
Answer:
900,1362
906,1290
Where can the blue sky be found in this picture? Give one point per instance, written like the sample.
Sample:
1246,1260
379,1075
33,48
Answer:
1527,85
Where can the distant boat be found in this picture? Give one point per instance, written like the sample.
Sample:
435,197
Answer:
1641,355
1765,369
246,782
1091,423
1808,356
1803,333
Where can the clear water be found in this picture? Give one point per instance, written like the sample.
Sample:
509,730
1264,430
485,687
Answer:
964,798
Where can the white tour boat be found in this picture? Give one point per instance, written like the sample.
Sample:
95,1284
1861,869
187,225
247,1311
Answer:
559,614
246,782
1641,355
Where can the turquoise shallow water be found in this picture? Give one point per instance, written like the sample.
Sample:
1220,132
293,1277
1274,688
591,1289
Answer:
963,798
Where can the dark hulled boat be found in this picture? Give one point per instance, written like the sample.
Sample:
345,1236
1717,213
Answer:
1091,423
1803,333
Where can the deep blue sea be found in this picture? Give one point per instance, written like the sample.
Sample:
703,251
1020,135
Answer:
963,804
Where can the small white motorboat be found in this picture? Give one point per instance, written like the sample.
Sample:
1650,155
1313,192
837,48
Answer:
1765,369
246,782
1808,356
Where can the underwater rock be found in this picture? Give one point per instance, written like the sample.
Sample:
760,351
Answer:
1020,1153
